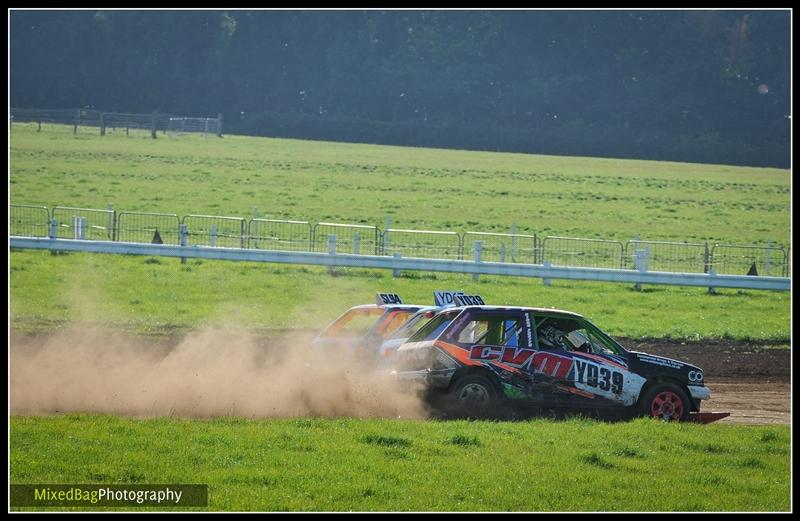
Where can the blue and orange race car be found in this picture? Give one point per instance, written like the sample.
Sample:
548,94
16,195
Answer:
364,328
475,359
377,330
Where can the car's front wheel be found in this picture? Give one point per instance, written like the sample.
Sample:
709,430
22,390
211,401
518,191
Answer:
474,396
665,401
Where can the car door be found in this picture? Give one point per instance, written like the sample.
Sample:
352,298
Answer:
579,367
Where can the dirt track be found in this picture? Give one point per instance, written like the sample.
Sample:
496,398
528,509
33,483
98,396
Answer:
752,381
749,380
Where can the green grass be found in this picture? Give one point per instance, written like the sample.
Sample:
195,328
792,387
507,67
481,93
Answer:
161,296
418,188
376,465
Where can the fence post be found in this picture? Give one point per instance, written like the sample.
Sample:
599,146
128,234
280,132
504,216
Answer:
711,289
785,262
219,124
640,262
102,124
386,234
706,259
503,251
154,124
331,250
184,239
53,233
478,250
396,272
356,241
767,258
513,242
112,225
77,120
213,239
255,230
546,281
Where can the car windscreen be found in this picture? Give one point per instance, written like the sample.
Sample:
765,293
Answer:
414,324
392,321
435,326
356,322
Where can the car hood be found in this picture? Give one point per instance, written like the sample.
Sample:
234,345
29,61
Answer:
647,358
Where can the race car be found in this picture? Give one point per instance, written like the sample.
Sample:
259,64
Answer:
380,328
366,327
475,359
442,300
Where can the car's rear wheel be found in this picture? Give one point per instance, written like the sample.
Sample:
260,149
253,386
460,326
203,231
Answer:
666,401
474,396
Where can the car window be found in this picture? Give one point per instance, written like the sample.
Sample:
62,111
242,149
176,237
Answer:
434,327
492,330
413,324
566,334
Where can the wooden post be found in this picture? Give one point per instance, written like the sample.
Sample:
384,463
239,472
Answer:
219,125
77,120
102,124
153,124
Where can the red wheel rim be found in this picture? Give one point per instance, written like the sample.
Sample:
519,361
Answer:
667,406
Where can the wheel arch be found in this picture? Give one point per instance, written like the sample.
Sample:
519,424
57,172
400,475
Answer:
477,370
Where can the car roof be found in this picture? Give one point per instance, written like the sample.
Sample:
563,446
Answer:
519,308
409,307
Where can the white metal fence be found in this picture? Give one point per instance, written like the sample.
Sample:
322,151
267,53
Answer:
710,280
638,255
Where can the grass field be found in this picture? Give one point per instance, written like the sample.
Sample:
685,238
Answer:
161,296
342,464
418,188
366,465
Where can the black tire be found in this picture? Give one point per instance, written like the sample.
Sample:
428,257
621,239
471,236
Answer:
473,396
665,401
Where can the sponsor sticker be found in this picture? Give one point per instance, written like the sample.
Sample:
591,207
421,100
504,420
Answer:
665,362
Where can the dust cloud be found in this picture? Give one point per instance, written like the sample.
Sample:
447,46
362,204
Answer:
202,374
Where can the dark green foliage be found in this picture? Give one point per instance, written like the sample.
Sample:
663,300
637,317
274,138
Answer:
699,86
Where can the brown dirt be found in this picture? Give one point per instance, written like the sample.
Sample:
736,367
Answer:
751,380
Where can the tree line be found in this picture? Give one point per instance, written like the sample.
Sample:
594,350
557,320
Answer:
699,86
